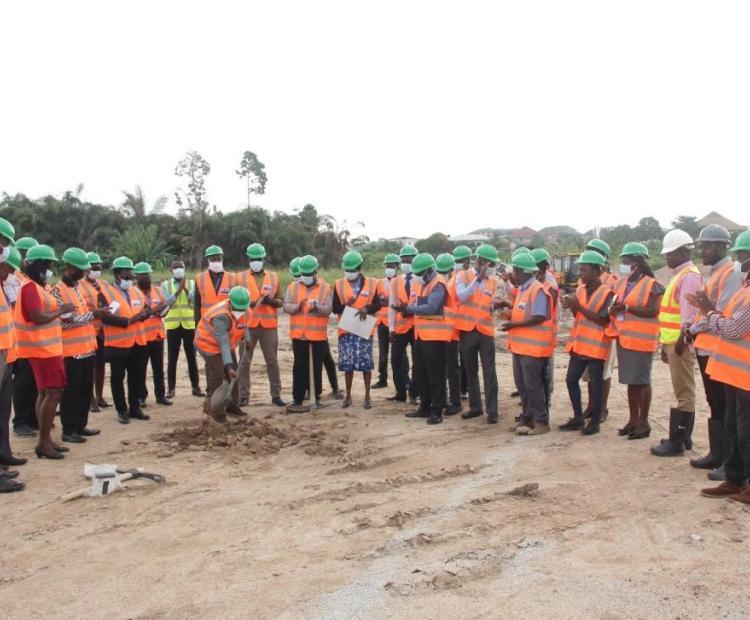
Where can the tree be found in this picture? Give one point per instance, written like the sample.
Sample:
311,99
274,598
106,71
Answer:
192,201
648,228
134,205
689,224
142,243
435,244
254,172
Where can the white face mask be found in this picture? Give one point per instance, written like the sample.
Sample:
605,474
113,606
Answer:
738,265
406,267
48,275
458,267
216,266
308,280
351,275
390,272
625,269
94,275
178,273
419,279
238,314
256,265
126,285
5,254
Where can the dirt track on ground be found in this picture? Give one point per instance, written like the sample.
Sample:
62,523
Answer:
354,513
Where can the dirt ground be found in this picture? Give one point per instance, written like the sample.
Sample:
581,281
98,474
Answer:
366,514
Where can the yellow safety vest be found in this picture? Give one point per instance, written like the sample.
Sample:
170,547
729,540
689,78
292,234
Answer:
181,312
670,317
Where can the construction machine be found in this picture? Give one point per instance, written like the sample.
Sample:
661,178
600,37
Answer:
565,268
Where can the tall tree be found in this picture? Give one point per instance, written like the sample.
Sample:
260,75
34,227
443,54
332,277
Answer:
254,172
134,205
192,201
648,228
689,224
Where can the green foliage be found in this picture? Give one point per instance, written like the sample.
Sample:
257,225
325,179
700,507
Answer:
689,224
254,172
648,229
142,243
435,244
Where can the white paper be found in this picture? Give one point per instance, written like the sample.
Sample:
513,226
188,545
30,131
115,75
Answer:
351,323
114,307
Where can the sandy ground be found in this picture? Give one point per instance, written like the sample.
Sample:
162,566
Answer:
354,513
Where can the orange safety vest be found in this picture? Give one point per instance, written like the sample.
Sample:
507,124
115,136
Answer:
535,341
476,312
91,296
706,341
634,332
365,298
304,325
587,338
403,323
451,309
262,315
78,339
153,327
730,362
205,334
32,340
384,292
209,296
7,332
124,337
608,279
438,327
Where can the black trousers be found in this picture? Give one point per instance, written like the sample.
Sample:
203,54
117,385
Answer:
6,398
300,368
76,398
400,365
132,365
24,394
428,367
715,391
384,345
453,369
330,366
176,337
154,352
737,422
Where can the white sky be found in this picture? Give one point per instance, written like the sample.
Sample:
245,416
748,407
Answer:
411,116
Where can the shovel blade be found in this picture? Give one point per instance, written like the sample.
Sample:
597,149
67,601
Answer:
222,397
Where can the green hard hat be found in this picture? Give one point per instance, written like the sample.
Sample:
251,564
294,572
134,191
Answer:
294,266
391,258
352,261
633,248
142,268
461,252
408,250
94,258
601,245
239,298
524,262
256,251
41,252
445,263
540,255
213,250
590,257
423,262
76,257
14,259
487,252
521,250
7,230
742,243
308,265
26,243
122,262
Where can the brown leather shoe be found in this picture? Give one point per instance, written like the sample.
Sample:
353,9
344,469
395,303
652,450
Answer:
725,489
743,496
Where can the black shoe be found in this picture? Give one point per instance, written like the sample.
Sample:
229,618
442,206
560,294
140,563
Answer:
12,461
170,394
139,415
717,447
380,385
198,392
278,401
492,419
396,398
88,432
435,419
574,424
418,414
24,430
73,438
471,414
54,455
243,402
10,486
9,474
122,417
717,474
142,404
452,409
591,428
163,401
235,410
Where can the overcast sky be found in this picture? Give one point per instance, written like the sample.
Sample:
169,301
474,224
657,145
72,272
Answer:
410,116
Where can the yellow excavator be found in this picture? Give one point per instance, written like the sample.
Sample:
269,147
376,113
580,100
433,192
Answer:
565,267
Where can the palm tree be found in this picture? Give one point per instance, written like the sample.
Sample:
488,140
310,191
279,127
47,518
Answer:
134,205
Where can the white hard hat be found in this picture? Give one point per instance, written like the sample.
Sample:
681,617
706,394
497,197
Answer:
675,239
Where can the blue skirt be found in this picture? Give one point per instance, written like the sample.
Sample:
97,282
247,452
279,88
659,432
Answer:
355,354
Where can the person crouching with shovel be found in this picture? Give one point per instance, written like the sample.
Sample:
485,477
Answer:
218,333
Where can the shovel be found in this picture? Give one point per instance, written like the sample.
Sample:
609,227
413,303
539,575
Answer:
222,395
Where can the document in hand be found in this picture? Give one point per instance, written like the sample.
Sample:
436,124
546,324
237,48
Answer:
351,323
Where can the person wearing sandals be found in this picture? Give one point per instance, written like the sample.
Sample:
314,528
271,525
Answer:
635,324
355,353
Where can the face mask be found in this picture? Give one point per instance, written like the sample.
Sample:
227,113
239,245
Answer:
458,267
490,273
308,280
216,267
625,270
390,272
178,273
94,275
739,264
48,275
256,265
419,279
5,254
237,314
125,285
406,267
351,275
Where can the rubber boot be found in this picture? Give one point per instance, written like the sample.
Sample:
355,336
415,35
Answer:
716,442
680,427
689,439
717,474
